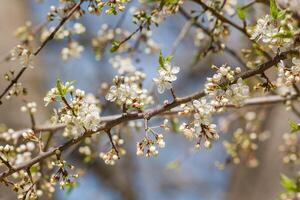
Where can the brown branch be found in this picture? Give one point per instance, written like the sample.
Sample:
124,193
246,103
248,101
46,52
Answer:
49,38
112,142
6,162
149,113
227,21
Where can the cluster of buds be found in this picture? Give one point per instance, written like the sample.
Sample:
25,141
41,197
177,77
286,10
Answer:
223,74
95,7
288,76
63,32
10,136
127,91
63,176
30,107
7,148
289,148
109,157
245,141
25,33
104,36
124,65
72,50
23,55
150,146
115,152
52,13
30,135
115,6
16,90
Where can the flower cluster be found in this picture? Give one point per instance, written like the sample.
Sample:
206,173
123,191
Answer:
289,148
127,91
201,126
150,146
288,76
63,176
277,34
122,64
245,141
29,107
166,74
95,7
79,115
106,35
73,50
228,6
16,90
222,89
115,152
23,55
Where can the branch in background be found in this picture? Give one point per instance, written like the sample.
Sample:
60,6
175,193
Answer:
49,38
149,113
227,21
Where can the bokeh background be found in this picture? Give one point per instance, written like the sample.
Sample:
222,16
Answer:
194,175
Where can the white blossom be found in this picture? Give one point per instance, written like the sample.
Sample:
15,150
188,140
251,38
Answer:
166,75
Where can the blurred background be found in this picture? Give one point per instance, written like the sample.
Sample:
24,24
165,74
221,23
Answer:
178,172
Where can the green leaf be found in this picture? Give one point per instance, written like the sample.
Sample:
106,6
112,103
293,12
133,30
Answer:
241,12
161,60
167,2
274,10
288,183
281,14
59,87
115,46
173,165
295,127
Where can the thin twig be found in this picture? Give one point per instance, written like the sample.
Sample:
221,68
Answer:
150,113
112,142
49,38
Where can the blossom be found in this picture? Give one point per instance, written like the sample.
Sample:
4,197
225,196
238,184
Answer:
203,112
79,115
238,92
122,64
73,49
150,146
166,75
23,55
162,84
78,28
288,76
262,28
127,91
229,7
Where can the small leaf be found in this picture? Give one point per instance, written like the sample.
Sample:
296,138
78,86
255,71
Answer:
295,127
59,87
115,46
161,60
241,12
173,165
288,183
274,10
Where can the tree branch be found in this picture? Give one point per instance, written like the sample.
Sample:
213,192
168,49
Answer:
150,113
49,38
